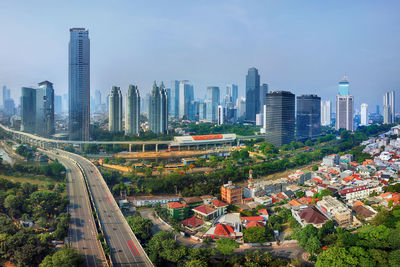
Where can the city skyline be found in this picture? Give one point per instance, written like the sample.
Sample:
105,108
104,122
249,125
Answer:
278,66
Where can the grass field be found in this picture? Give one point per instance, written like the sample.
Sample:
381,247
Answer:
39,180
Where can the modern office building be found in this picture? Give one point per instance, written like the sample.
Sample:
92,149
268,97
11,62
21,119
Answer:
344,86
232,92
364,114
9,107
263,96
252,94
97,100
132,111
221,115
115,110
175,99
45,109
202,111
212,102
186,98
6,94
389,112
158,109
58,108
168,90
344,106
326,113
308,119
241,106
79,84
28,109
37,109
280,117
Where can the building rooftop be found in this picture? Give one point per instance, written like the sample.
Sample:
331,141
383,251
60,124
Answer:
204,209
312,215
218,203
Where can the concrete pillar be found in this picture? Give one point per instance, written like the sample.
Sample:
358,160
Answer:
130,147
143,148
156,147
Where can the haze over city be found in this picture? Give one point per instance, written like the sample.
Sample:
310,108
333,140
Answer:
303,47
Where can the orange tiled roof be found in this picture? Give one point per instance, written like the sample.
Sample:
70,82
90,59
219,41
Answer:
294,203
218,203
204,209
254,224
252,219
175,205
223,230
263,212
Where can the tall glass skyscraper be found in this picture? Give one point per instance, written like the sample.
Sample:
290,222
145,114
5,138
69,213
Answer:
158,109
308,119
344,86
280,119
132,111
115,110
212,103
232,92
389,104
79,84
344,106
186,98
326,111
252,94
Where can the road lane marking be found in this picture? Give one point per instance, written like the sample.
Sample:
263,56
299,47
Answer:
137,252
131,247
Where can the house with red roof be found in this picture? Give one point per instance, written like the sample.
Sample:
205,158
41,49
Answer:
205,212
309,215
254,224
263,213
222,231
177,210
220,206
357,192
192,222
249,219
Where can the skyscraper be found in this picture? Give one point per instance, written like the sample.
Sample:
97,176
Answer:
308,119
252,94
344,106
115,110
58,104
344,86
221,115
28,110
364,114
389,112
186,98
241,105
232,93
79,84
326,113
263,96
212,103
158,109
37,109
97,100
45,107
175,99
280,117
132,111
6,94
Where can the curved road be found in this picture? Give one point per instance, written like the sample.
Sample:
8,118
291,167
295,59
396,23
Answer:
82,229
126,250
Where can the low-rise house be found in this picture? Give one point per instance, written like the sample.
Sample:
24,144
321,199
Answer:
334,209
352,193
192,222
205,212
265,200
247,220
178,211
264,214
363,213
220,206
151,200
305,215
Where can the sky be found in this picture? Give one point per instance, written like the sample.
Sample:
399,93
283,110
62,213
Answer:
299,46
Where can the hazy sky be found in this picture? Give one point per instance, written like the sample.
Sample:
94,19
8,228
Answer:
300,46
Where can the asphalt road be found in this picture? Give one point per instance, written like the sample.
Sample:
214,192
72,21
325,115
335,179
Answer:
125,248
82,229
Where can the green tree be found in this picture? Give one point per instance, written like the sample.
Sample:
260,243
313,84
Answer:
225,246
65,257
336,256
140,226
394,258
255,235
196,263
